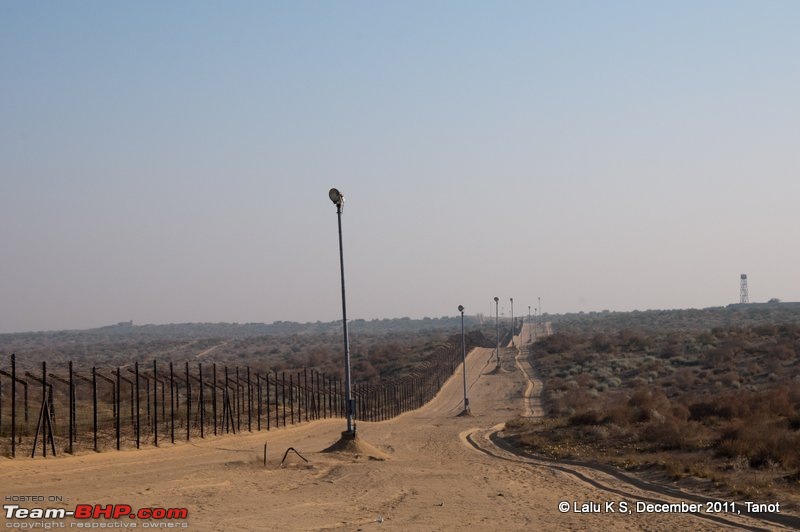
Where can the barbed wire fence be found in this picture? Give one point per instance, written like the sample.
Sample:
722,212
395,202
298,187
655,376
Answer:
155,403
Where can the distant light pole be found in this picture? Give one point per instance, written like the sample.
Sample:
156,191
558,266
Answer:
338,199
540,313
464,359
529,322
512,323
497,329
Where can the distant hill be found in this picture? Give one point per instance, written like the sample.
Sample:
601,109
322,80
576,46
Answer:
194,331
281,344
744,315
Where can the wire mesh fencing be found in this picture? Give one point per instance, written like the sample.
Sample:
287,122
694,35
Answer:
150,404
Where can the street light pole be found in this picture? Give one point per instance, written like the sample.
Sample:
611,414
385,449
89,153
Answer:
540,313
338,199
464,359
497,329
512,323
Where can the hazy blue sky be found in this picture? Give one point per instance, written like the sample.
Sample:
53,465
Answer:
170,161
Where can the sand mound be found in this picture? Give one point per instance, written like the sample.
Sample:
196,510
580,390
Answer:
356,447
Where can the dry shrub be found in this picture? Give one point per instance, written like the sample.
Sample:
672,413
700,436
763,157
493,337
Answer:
710,409
631,340
602,343
777,402
684,378
558,343
678,467
576,400
666,434
587,417
762,442
585,381
646,403
520,423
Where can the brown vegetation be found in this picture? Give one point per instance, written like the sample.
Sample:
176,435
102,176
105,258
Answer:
721,404
380,349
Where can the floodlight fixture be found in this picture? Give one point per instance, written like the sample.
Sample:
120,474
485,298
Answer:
336,197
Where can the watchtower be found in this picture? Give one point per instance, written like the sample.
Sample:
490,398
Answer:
743,297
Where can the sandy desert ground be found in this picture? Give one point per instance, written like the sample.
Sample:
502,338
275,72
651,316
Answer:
431,470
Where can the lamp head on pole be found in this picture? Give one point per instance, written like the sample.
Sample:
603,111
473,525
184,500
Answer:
496,299
336,197
461,309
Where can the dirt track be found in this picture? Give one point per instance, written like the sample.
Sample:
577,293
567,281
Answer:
443,472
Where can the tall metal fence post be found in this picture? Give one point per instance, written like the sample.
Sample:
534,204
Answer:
13,405
283,395
71,408
267,401
277,404
226,401
202,402
249,397
155,403
258,399
138,413
291,397
94,406
171,403
305,393
214,396
238,398
188,404
119,406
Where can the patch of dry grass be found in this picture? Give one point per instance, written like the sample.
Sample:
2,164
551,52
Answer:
721,405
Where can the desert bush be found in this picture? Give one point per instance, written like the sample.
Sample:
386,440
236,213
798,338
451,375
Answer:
602,343
760,441
557,343
711,409
667,433
645,402
633,340
587,417
684,378
584,380
685,385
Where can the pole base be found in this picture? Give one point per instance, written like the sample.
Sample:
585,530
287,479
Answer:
351,445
